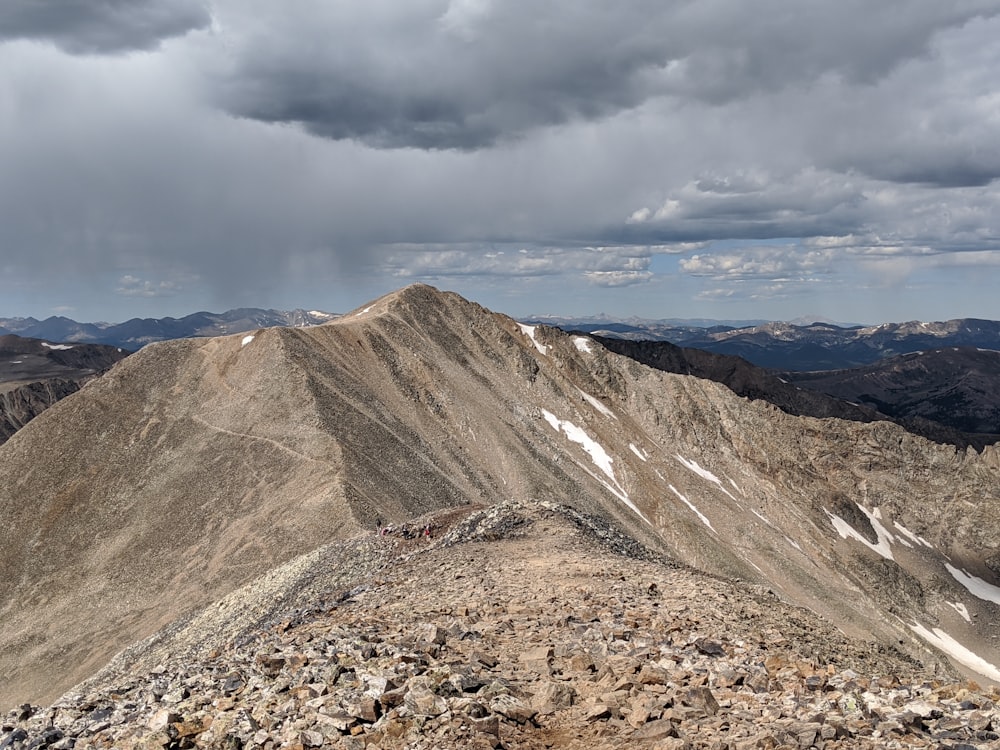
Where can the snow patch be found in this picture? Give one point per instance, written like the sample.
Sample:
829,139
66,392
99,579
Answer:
704,473
246,340
961,609
618,492
362,312
975,586
689,504
529,331
639,452
845,530
597,404
957,651
910,535
597,454
693,466
57,347
583,344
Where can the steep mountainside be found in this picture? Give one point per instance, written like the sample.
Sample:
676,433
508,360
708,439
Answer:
957,386
830,394
196,466
35,374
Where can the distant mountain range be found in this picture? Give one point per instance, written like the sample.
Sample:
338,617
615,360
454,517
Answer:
136,333
788,346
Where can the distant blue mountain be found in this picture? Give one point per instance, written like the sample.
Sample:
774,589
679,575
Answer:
136,333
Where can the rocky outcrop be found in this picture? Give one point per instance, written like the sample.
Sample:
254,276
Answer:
20,405
523,625
34,374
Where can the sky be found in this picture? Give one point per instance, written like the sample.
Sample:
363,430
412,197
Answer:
728,159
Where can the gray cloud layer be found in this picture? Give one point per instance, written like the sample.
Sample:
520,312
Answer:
101,26
711,149
468,74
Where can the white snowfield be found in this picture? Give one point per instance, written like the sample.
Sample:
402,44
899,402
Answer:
56,347
598,455
529,331
583,344
362,312
689,504
957,651
704,473
885,539
246,340
909,534
961,609
597,404
638,451
975,586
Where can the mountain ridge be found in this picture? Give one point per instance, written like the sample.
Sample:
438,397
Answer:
196,466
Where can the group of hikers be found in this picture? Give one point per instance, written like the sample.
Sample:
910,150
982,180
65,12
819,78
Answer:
406,530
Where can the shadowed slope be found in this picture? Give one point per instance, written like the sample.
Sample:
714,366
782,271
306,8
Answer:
34,374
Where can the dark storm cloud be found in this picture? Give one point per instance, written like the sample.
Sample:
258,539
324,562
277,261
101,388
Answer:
471,73
100,26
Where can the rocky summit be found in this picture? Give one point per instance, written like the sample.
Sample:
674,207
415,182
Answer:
188,552
523,625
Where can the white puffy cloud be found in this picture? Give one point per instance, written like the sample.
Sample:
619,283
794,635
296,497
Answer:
603,266
777,263
132,286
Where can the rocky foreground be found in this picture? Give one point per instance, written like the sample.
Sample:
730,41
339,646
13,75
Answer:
520,626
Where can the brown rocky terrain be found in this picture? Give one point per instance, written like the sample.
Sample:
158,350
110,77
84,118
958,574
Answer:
517,626
198,467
